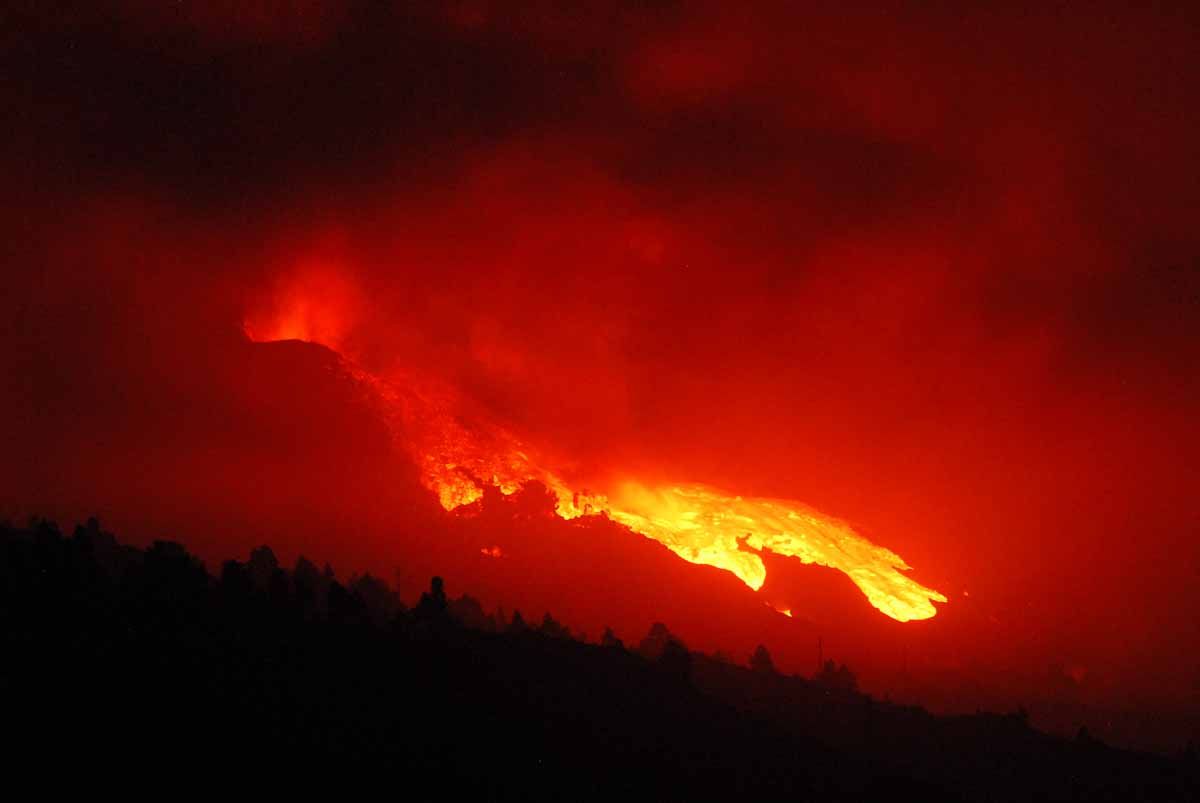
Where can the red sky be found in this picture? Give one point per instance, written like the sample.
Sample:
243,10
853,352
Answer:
926,268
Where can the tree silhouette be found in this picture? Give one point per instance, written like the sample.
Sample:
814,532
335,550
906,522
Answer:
836,676
676,661
467,611
760,661
517,625
651,647
432,607
552,628
235,583
310,588
610,640
262,566
279,590
380,601
345,608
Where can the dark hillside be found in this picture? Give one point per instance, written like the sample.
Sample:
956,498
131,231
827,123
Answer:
115,654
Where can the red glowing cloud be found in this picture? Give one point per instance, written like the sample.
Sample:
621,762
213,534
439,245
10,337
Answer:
929,270
317,303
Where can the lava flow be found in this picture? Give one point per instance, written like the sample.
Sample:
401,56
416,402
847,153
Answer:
699,523
458,456
459,451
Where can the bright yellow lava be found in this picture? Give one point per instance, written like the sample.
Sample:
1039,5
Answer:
705,525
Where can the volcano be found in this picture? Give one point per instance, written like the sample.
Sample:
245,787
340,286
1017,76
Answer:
494,520
460,454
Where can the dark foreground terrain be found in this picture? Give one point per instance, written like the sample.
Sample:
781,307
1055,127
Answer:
117,657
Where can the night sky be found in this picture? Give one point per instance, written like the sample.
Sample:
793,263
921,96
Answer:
931,269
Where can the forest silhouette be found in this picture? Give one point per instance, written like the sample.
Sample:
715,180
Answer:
116,653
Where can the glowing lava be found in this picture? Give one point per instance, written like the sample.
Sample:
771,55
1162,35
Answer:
458,455
459,452
704,525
